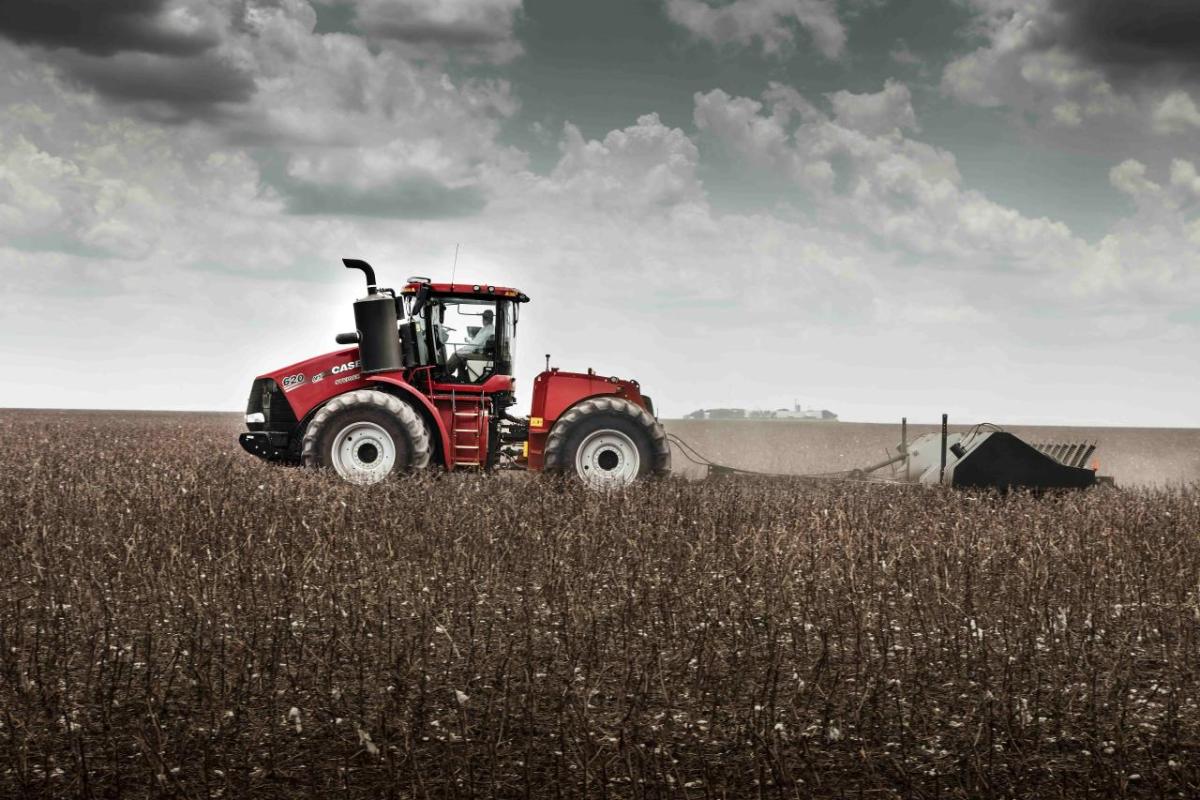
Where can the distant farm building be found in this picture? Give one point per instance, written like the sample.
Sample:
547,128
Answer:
794,413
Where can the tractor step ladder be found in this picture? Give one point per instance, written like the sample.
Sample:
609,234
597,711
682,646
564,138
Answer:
467,420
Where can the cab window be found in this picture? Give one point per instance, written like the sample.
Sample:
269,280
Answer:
465,337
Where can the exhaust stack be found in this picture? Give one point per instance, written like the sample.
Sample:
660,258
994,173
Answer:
375,319
354,263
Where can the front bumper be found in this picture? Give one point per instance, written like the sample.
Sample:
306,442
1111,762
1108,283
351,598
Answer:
269,445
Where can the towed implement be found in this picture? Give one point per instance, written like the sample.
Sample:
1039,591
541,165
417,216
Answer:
987,456
426,378
984,457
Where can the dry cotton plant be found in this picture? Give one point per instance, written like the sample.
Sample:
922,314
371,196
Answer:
180,620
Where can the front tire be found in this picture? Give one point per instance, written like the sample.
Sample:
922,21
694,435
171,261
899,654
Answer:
607,443
366,436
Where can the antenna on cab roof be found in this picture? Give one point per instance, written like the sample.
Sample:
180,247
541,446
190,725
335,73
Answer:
455,267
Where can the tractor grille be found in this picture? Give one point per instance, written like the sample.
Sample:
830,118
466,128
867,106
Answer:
265,398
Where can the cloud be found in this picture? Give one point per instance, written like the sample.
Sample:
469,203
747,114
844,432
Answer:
875,114
169,89
771,22
105,27
1165,205
409,196
1130,177
77,179
866,177
1176,113
183,60
864,172
163,57
641,168
1078,64
59,202
479,29
1126,38
1152,258
346,128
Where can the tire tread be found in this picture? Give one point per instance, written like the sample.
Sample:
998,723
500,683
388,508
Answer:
555,457
412,423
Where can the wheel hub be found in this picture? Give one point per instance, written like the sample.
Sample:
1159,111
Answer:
608,459
363,452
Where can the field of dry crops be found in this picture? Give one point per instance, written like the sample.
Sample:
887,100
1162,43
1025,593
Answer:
180,620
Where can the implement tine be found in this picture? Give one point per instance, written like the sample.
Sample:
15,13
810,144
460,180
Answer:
1087,454
1069,456
1081,456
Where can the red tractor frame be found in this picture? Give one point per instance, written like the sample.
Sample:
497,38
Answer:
419,385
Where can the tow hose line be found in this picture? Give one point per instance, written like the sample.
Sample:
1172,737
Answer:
696,457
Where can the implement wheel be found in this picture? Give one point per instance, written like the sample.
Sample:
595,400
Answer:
365,436
608,443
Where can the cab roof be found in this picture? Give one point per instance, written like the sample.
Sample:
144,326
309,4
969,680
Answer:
480,290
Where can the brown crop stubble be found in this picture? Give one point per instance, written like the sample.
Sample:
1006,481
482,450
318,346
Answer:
179,619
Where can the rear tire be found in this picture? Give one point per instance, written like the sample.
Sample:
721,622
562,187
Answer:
366,436
607,443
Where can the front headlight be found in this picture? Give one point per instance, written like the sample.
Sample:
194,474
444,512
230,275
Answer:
257,416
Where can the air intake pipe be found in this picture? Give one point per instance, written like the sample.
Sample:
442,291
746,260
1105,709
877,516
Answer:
375,321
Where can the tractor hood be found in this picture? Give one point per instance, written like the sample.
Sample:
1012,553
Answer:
308,383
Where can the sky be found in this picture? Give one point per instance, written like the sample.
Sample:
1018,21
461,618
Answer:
989,208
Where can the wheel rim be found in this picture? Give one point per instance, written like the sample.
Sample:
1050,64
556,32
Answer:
363,452
608,459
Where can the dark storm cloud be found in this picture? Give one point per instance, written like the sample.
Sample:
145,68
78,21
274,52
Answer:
1126,37
411,197
131,52
99,27
170,89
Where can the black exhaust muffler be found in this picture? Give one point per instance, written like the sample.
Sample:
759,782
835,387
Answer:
375,320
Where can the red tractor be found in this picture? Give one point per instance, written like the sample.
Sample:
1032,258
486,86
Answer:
429,380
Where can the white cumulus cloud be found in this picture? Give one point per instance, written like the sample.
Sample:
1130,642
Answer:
642,167
770,23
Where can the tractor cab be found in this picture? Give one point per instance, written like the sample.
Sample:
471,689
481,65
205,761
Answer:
463,331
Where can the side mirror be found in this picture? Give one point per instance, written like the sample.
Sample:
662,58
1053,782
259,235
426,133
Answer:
422,299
